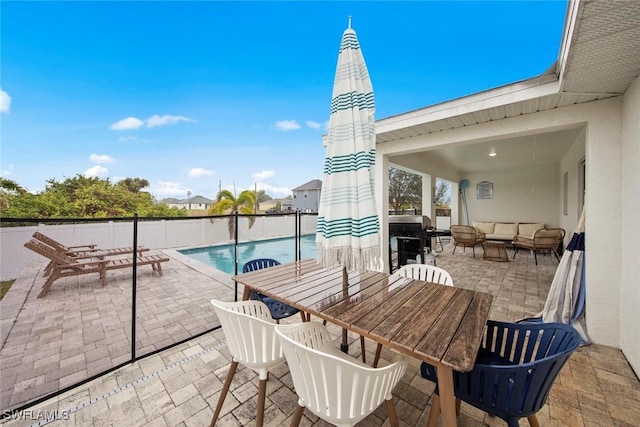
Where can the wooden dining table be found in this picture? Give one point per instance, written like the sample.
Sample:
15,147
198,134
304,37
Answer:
440,325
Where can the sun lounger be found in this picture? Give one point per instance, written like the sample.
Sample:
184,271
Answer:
64,265
89,250
82,251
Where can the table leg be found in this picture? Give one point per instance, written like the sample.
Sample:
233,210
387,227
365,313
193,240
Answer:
447,397
245,294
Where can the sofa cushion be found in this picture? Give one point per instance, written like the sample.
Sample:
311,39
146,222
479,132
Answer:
529,229
484,227
506,229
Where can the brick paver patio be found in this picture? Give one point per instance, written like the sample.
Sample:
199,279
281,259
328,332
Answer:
180,386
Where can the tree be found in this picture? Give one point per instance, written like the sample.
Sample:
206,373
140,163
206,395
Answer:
8,188
262,196
134,185
84,197
405,189
226,203
443,194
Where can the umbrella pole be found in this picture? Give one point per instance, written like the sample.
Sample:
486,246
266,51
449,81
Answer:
344,346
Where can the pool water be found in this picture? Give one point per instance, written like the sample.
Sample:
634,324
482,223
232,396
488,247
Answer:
283,250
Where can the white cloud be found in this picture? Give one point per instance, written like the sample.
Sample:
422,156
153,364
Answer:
5,101
96,170
200,172
153,121
261,176
127,138
168,189
167,119
8,170
127,124
274,191
101,158
313,125
286,125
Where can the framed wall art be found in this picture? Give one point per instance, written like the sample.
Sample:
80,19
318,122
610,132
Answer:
484,190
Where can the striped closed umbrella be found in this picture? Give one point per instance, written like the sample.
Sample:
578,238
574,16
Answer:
348,230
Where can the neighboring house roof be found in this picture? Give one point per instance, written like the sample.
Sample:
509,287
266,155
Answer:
199,200
170,200
314,184
597,60
195,200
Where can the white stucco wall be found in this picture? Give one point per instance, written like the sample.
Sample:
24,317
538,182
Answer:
519,195
174,234
630,270
570,164
603,234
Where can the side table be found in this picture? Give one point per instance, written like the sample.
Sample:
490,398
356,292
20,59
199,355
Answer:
495,251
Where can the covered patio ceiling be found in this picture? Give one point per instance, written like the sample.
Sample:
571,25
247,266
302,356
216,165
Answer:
511,153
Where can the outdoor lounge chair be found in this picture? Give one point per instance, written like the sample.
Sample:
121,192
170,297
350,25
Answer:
64,265
82,251
467,237
543,240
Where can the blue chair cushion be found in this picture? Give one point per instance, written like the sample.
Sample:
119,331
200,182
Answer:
277,309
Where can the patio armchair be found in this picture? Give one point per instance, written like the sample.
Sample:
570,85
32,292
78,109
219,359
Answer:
249,331
277,309
466,236
62,265
543,240
336,387
514,370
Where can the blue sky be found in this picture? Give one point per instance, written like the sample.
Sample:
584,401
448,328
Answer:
191,94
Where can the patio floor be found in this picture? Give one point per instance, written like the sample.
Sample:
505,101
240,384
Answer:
180,386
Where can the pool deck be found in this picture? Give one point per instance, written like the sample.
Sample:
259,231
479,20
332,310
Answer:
80,328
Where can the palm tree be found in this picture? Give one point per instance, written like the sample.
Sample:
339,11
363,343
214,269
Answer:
226,203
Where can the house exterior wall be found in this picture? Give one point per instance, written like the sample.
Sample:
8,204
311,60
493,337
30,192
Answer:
602,121
309,203
603,233
519,195
630,269
570,165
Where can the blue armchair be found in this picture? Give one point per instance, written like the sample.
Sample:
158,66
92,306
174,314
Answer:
514,370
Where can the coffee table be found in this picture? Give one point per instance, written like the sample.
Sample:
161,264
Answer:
495,251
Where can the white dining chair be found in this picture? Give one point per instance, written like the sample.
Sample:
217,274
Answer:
424,272
249,332
336,387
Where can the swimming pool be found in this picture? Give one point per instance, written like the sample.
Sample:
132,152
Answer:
283,250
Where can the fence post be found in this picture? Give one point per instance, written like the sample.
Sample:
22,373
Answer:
134,287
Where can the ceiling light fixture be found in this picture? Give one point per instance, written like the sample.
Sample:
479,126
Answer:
493,153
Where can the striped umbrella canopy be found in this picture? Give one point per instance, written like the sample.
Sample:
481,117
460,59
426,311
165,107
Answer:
566,298
348,230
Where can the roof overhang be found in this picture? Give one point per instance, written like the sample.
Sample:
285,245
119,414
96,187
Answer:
590,67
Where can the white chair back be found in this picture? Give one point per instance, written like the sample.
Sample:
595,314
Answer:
427,273
249,331
334,386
